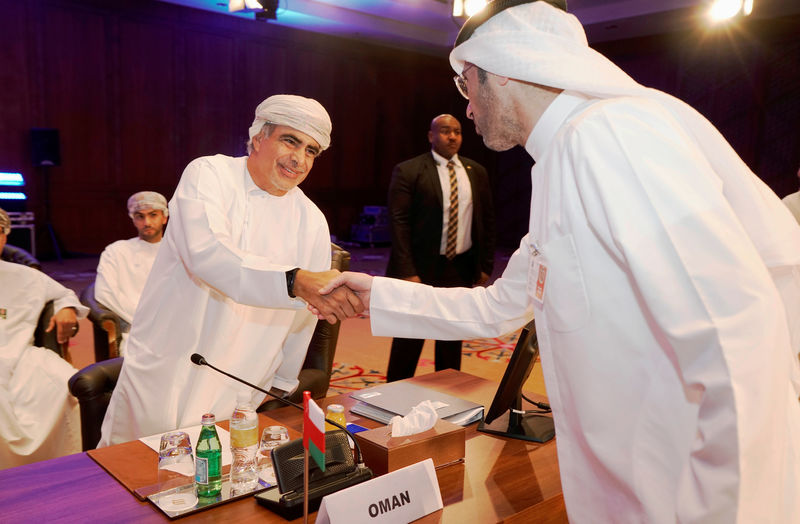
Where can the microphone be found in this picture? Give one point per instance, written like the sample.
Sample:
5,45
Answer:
199,360
289,503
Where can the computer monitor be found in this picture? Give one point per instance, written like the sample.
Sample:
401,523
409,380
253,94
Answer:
505,417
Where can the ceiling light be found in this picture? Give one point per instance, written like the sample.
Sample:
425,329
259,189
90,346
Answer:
263,9
726,9
465,8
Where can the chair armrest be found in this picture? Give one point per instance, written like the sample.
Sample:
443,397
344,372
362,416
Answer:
98,313
92,386
107,326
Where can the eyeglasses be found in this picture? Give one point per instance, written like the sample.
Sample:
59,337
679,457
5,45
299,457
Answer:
461,82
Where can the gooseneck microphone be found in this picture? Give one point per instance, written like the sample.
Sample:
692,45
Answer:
199,360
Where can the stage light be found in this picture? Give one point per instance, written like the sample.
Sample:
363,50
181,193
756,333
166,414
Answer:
12,195
11,179
726,9
263,9
465,8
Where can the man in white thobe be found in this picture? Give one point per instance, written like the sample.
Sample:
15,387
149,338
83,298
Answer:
662,274
226,282
39,418
125,264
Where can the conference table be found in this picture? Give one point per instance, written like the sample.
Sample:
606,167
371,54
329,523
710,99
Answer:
500,480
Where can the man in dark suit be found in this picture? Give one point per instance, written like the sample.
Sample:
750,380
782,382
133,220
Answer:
443,232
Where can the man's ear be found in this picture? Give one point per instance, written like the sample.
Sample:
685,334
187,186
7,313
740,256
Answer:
502,80
430,137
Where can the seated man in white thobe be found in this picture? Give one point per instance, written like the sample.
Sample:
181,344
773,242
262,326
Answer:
662,273
125,264
227,281
39,418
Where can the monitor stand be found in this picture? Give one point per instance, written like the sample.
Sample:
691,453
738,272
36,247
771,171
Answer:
536,428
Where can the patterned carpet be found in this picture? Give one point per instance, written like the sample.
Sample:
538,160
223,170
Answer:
491,354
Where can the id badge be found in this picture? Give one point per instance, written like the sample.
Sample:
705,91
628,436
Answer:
537,276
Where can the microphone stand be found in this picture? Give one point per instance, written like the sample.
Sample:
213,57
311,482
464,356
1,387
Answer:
199,360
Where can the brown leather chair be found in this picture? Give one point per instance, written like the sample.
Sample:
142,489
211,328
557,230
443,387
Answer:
106,326
94,384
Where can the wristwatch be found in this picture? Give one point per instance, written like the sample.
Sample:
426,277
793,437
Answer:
290,275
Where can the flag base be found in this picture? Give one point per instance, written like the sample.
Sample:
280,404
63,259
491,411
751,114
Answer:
290,505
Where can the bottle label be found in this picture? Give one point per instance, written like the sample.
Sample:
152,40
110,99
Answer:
201,470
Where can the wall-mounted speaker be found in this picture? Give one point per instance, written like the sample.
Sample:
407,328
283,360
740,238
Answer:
45,147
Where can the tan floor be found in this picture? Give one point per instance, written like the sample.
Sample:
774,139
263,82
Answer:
356,346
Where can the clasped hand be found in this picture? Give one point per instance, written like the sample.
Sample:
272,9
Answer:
354,286
339,304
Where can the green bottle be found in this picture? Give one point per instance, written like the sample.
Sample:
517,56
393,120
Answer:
208,463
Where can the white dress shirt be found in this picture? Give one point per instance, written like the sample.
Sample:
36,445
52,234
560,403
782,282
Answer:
464,238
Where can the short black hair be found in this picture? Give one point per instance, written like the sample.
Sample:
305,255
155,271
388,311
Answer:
491,9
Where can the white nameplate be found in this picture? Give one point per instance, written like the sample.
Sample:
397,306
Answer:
400,496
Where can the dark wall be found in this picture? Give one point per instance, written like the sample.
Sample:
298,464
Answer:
139,88
744,79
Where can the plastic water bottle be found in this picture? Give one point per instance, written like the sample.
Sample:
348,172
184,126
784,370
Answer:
244,444
208,464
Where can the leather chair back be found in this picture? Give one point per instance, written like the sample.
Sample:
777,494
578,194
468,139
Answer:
18,255
92,386
106,326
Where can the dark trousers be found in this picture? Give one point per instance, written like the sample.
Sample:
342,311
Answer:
405,353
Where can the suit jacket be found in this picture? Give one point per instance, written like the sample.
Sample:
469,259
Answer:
416,211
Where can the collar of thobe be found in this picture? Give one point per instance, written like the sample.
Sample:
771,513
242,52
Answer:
550,122
442,161
251,189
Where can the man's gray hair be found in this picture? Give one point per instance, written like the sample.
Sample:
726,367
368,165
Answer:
265,131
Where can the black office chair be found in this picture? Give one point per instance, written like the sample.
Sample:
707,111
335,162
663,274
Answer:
93,385
18,255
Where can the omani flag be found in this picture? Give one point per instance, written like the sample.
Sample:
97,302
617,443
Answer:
314,430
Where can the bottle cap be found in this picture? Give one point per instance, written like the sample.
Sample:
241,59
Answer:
336,408
209,419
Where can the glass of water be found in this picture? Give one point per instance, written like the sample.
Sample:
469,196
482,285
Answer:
271,437
176,472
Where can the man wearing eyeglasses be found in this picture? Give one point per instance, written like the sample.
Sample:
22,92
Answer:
244,253
442,219
663,275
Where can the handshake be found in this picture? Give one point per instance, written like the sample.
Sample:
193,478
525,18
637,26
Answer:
332,295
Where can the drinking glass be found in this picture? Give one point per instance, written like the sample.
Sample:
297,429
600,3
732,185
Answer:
271,437
176,472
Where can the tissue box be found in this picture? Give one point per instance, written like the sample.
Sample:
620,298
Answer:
444,443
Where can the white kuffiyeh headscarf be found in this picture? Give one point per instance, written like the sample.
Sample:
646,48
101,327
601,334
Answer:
304,114
147,200
536,42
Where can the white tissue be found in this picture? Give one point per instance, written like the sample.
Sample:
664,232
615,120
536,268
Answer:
422,417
